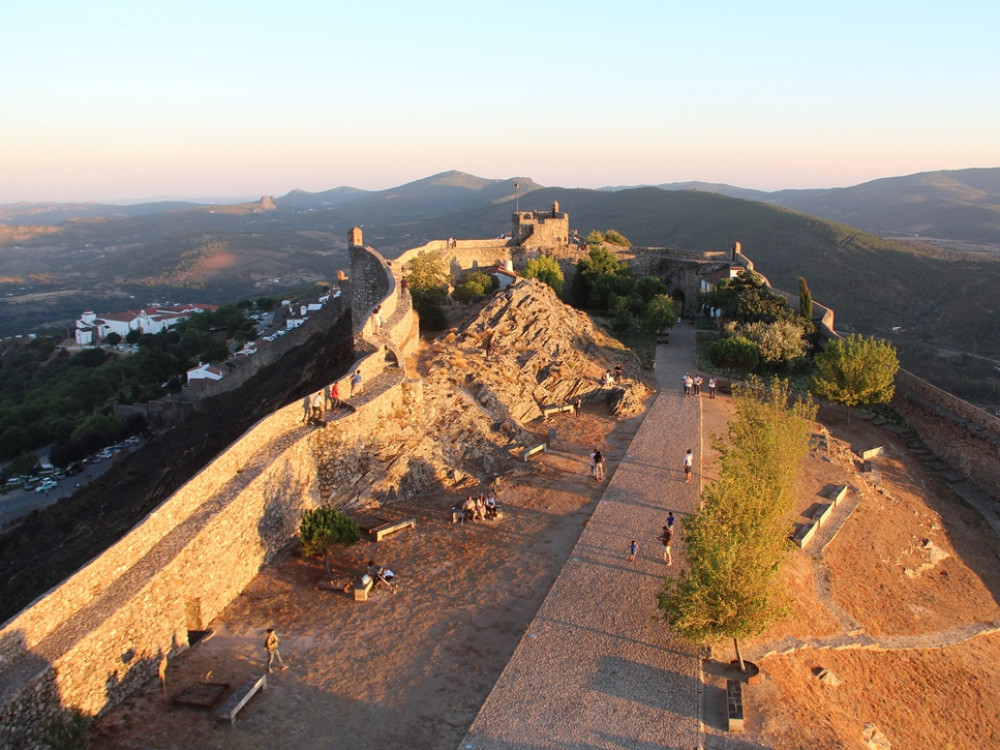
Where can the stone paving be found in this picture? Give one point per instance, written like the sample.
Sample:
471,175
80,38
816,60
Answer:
597,667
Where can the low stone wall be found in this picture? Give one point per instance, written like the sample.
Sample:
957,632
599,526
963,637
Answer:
104,631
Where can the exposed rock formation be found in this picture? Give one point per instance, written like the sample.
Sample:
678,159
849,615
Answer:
469,415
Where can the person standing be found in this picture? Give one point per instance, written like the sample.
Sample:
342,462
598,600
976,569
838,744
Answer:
667,538
711,387
633,548
670,520
688,465
271,644
577,402
593,463
697,385
356,388
618,373
377,321
599,466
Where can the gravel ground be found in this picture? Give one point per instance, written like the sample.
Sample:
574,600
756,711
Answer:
596,668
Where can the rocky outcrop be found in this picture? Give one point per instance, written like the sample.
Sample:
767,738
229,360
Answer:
465,420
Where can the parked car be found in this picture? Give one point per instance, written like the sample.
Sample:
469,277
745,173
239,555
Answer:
46,485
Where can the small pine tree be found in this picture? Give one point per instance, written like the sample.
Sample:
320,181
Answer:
324,529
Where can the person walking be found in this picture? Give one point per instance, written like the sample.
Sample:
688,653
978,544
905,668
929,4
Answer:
271,644
633,548
356,388
670,520
688,465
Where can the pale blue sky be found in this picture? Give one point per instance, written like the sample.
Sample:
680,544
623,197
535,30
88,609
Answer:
111,100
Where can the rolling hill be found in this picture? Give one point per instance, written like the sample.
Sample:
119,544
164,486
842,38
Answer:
943,303
957,208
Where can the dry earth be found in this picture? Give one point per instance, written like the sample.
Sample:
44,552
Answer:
890,606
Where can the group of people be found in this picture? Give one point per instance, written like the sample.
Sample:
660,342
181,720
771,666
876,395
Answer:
314,405
483,507
666,538
692,385
609,379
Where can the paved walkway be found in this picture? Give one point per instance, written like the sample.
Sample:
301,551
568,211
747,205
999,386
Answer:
597,668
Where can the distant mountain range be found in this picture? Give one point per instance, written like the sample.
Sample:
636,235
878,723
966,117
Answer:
58,259
959,205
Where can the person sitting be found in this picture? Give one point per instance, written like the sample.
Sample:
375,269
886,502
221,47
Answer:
491,506
382,575
469,506
480,508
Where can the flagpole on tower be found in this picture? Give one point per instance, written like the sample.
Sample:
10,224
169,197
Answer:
517,204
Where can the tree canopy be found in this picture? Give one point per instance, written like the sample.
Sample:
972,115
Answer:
325,528
856,370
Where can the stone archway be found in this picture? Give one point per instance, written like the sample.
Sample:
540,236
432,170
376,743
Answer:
680,301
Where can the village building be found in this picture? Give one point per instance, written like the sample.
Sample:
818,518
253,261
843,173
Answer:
90,329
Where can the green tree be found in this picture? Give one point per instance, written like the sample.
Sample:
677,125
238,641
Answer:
734,353
854,371
324,529
546,269
616,238
660,314
805,300
778,342
427,271
114,338
736,542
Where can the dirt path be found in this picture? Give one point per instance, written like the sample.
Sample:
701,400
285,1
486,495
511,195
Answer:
401,670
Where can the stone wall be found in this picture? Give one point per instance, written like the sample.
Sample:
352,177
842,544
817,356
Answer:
104,631
964,436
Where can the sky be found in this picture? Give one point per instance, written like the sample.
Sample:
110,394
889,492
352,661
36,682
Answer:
123,101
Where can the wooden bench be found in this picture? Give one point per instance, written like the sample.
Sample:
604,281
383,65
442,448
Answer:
527,452
383,530
236,701
362,587
734,705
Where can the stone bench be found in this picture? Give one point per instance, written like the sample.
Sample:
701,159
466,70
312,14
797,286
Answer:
362,587
528,452
235,702
548,411
381,531
734,705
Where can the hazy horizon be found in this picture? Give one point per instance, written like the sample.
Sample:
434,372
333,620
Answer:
118,102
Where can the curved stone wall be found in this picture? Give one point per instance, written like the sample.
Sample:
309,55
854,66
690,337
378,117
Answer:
86,643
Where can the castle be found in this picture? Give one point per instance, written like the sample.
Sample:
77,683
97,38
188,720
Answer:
111,626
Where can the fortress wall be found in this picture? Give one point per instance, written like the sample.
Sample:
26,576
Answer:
103,632
966,437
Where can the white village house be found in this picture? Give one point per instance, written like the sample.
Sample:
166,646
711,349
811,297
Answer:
91,329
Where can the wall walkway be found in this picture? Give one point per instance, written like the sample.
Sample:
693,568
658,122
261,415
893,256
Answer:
595,668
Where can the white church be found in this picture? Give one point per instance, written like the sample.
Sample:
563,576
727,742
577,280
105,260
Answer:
91,329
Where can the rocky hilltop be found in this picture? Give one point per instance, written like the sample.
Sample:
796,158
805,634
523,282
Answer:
482,387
